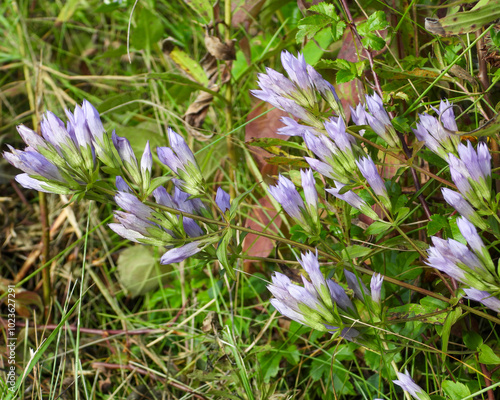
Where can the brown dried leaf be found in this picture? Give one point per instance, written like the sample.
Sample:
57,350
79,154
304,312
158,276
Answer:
220,50
245,12
258,246
263,127
26,301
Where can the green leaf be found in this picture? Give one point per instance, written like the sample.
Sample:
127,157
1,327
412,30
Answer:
269,362
309,26
373,42
222,253
472,340
326,16
235,204
344,76
157,182
192,67
375,22
338,30
354,251
377,227
455,390
445,332
487,355
149,30
325,9
436,223
137,270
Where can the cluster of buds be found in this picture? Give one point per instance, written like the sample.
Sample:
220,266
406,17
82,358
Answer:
159,227
472,267
377,118
299,94
141,176
471,173
63,159
322,304
305,214
337,152
439,134
339,157
180,159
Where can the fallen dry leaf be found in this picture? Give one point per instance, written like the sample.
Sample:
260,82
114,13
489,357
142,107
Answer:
258,246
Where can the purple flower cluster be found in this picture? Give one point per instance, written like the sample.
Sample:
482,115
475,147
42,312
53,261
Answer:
180,159
63,159
338,156
321,302
377,118
471,173
438,134
143,224
299,94
305,214
473,267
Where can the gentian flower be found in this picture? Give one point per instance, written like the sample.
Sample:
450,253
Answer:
297,95
342,163
471,173
456,260
470,234
222,200
180,159
369,170
376,287
293,128
142,224
438,134
406,383
377,118
353,200
312,304
483,297
287,195
127,156
63,159
457,201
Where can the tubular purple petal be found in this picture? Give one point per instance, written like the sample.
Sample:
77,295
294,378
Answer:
133,205
358,115
483,297
349,197
339,296
455,200
162,197
222,200
358,287
181,253
179,145
369,171
376,287
93,121
408,384
121,185
320,167
31,138
124,149
147,159
168,157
